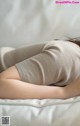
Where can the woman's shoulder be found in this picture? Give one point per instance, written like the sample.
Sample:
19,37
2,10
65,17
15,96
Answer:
61,45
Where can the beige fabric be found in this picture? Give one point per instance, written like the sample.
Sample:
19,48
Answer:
4,51
53,62
46,63
10,56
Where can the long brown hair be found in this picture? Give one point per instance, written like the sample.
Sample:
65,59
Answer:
74,40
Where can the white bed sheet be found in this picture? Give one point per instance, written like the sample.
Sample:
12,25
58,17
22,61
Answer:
46,112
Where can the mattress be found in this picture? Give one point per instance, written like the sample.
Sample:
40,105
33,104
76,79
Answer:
46,112
32,21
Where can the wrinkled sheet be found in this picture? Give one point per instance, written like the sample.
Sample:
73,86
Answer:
46,112
31,21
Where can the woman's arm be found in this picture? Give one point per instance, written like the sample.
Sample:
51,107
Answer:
16,89
12,87
72,89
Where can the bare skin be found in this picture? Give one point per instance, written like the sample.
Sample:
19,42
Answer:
73,89
11,87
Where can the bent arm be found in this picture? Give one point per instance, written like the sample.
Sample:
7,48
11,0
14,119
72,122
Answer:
72,89
15,89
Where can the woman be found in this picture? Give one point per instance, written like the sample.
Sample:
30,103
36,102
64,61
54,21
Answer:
44,70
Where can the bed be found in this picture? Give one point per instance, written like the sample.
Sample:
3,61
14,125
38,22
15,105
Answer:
32,21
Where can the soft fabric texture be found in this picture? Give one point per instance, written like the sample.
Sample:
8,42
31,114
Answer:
48,63
33,21
3,62
58,62
45,112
